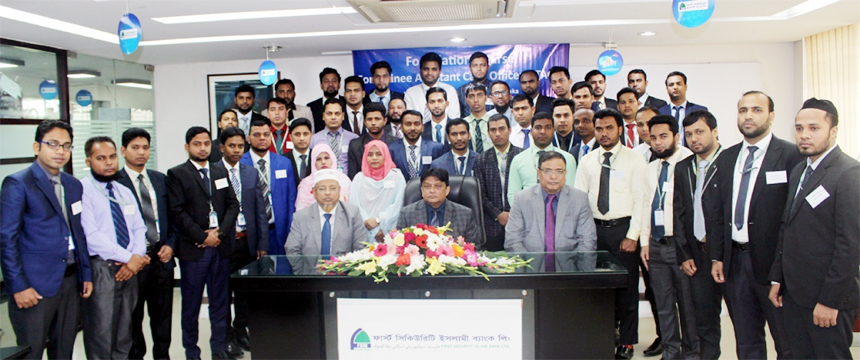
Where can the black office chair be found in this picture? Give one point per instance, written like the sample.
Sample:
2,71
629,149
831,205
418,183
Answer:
465,190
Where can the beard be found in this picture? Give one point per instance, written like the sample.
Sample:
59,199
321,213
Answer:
384,88
754,133
103,178
330,94
198,159
395,120
665,153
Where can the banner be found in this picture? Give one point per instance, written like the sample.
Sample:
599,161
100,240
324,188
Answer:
429,329
506,64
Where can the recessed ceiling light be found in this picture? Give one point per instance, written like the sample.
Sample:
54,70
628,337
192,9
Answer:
337,52
647,33
6,63
83,74
134,83
51,23
253,15
457,39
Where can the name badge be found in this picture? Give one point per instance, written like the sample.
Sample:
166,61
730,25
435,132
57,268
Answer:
388,184
240,220
344,149
213,219
71,243
129,209
220,183
426,160
77,207
658,218
281,174
817,196
776,177
668,187
290,145
616,174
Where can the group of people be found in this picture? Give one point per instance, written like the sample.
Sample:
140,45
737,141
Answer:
768,225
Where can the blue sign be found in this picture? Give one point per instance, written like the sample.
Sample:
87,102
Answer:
48,90
506,64
84,98
692,13
610,62
268,72
129,33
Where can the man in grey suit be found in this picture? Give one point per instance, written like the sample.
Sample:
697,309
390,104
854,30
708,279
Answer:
329,226
536,211
436,210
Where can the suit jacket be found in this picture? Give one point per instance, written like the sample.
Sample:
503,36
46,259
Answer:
306,232
302,111
543,104
818,251
283,197
394,95
495,195
427,134
462,219
447,162
296,164
33,231
574,230
667,109
611,103
655,103
317,111
254,210
400,158
683,212
767,203
356,151
159,185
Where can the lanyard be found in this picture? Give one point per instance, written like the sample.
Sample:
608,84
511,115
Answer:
118,201
660,187
558,141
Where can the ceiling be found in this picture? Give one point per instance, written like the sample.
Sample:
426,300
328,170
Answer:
578,22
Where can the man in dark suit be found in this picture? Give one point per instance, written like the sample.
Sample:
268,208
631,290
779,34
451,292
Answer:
436,210
597,80
380,73
43,250
751,189
330,85
530,86
491,169
413,154
154,280
460,160
300,154
204,208
374,124
676,85
226,119
693,206
244,99
818,251
583,125
638,80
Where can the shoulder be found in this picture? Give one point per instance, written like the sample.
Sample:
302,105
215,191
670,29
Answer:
69,180
459,209
579,197
431,144
413,207
154,175
525,195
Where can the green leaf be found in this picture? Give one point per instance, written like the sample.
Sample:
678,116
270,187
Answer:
355,273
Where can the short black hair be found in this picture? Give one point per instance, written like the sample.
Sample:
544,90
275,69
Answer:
439,174
478,55
549,155
769,99
521,97
260,122
529,72
593,73
285,82
276,100
542,115
88,147
581,84
353,79
474,86
455,122
245,88
330,101
300,122
413,113
695,116
497,117
638,71
380,65
231,132
133,133
48,125
561,69
431,56
194,131
564,102
676,73
626,90
664,119
327,71
226,111
434,90
499,82
374,106
600,114
648,108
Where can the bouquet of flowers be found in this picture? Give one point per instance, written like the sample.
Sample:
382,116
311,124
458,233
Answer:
419,250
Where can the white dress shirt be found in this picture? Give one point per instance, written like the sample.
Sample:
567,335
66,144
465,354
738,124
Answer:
418,160
432,124
814,165
742,235
256,158
457,161
642,100
518,136
591,143
333,212
415,99
146,181
652,175
645,150
351,116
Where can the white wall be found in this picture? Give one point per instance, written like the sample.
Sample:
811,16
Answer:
181,99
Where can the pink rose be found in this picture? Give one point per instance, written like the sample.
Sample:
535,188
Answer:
380,250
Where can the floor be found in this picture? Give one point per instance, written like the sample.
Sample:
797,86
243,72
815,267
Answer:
647,334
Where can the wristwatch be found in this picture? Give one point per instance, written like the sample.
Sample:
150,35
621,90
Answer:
377,220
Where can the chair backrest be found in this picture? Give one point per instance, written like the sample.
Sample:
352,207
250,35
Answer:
465,190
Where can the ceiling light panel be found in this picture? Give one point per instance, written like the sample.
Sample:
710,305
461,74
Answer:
268,14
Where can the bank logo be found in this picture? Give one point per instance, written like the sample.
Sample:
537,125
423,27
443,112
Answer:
359,341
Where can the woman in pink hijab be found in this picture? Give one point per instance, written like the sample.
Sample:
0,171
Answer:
378,191
323,158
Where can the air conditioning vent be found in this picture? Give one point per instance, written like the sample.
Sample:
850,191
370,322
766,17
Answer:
405,11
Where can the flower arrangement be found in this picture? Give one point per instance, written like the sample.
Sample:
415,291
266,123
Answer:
418,250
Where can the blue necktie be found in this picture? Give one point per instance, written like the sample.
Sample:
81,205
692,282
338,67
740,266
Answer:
118,219
584,150
526,141
325,249
462,165
439,134
657,232
742,191
205,172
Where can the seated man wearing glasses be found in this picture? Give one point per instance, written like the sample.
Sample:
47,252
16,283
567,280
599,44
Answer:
436,210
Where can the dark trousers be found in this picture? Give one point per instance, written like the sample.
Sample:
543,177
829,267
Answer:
52,322
213,272
649,294
276,246
107,313
810,341
749,308
706,300
672,295
626,299
155,286
495,243
241,258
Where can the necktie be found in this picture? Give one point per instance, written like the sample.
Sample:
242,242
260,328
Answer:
549,234
603,193
397,133
234,181
658,231
335,145
584,150
462,170
146,209
355,127
503,167
742,192
439,138
264,187
435,220
205,173
526,140
413,161
58,191
698,215
630,135
118,219
479,139
677,113
279,141
325,248
806,177
600,105
302,170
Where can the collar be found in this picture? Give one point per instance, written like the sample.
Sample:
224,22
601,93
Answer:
615,150
763,144
360,109
683,105
375,95
457,156
591,143
545,194
507,149
424,86
197,166
134,174
256,158
711,157
643,99
440,208
417,143
285,129
815,163
227,165
549,147
47,173
339,131
332,212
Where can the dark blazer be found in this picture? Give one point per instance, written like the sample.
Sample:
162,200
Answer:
254,210
283,198
462,219
611,103
685,187
818,252
495,195
296,164
767,203
667,109
427,134
159,185
189,206
215,154
544,104
399,156
653,102
317,109
394,95
447,162
356,151
33,244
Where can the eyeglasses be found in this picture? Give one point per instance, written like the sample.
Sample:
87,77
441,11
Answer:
549,172
56,146
500,93
429,187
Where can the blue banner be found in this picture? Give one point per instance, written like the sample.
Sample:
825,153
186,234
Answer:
506,64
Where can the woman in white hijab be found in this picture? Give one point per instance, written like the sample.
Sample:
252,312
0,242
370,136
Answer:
378,191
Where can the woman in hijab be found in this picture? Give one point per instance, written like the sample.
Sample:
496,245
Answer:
378,191
323,159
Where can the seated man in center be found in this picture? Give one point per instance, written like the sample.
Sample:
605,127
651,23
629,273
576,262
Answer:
436,210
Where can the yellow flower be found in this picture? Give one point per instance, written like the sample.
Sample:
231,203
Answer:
399,240
418,232
368,267
435,266
458,250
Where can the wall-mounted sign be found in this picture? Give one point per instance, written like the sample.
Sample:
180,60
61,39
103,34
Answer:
48,90
610,62
84,98
129,33
692,13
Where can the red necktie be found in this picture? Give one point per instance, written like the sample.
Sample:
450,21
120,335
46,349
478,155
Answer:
630,143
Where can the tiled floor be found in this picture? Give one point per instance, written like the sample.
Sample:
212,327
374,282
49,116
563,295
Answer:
646,334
